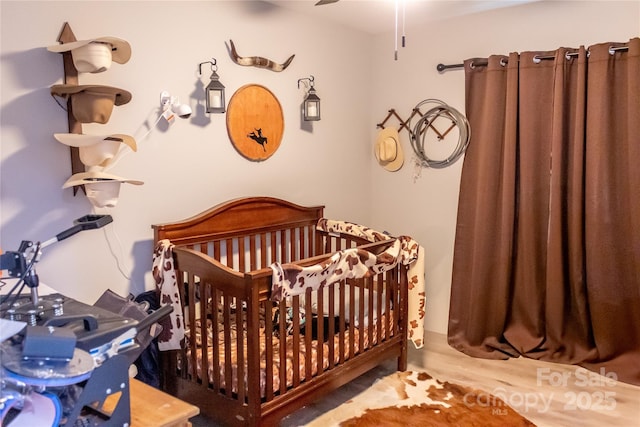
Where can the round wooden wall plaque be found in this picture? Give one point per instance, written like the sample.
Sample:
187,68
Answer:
254,122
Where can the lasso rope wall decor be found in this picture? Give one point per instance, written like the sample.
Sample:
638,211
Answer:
426,121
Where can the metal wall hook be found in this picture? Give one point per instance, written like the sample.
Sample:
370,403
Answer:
214,66
309,79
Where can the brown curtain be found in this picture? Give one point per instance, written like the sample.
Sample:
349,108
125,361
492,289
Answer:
547,252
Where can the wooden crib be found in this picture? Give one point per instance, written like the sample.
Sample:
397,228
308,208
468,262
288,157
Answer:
250,360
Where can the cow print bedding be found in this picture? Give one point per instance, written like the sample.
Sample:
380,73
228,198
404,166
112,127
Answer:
278,364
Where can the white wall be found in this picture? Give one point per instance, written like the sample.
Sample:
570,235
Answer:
427,208
188,168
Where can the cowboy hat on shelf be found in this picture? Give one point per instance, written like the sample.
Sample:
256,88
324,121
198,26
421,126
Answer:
92,103
97,150
95,55
103,189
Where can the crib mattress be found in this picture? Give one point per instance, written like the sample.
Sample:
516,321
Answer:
288,363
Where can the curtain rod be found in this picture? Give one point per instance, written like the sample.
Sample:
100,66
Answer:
483,62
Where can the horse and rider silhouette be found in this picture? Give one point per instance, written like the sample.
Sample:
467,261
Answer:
257,137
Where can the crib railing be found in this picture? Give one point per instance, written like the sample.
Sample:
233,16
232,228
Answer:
354,315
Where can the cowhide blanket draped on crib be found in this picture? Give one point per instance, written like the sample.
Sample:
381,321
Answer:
164,276
291,279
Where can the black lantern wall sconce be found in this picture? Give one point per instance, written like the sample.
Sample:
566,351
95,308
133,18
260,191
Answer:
311,106
214,92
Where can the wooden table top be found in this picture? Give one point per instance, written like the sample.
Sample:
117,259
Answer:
151,407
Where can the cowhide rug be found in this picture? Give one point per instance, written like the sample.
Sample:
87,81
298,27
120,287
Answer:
414,398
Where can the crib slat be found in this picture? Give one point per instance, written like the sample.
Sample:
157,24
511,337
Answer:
392,300
215,320
300,243
229,247
283,348
263,251
352,320
204,330
295,305
240,353
226,321
373,314
362,302
283,246
321,331
293,245
274,246
342,328
332,327
268,351
216,250
327,246
308,332
192,322
242,265
286,245
388,323
253,261
308,232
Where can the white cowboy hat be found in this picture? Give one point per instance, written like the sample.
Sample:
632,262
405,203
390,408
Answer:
96,150
388,150
102,188
96,177
95,55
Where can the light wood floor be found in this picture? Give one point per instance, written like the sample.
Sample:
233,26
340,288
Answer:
548,394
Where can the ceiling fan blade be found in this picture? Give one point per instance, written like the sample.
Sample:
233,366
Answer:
321,2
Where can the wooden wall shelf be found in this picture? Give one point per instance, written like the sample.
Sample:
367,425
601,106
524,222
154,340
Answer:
71,77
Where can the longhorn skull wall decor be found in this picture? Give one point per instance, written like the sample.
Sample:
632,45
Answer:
257,61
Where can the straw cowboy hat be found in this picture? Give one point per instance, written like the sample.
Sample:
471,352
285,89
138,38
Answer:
92,103
95,55
388,150
96,150
103,189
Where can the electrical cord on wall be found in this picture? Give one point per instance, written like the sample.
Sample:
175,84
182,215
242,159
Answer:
419,132
111,250
117,259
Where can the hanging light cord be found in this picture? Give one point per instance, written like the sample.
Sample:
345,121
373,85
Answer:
404,10
422,125
395,53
